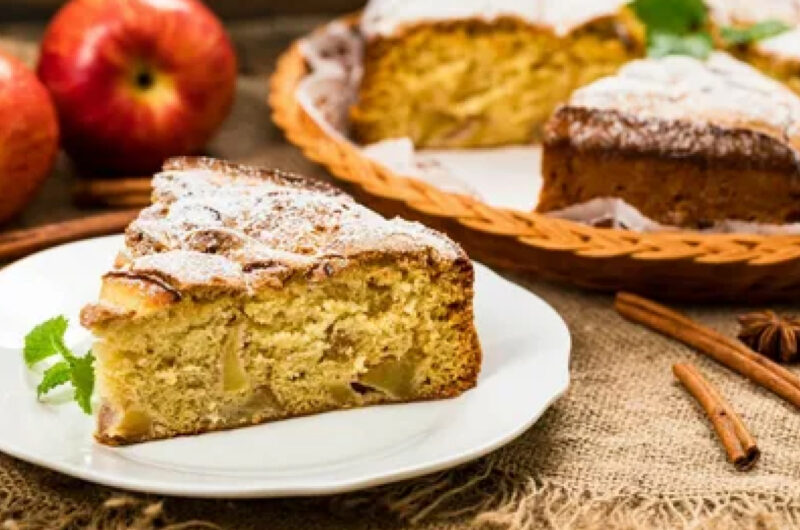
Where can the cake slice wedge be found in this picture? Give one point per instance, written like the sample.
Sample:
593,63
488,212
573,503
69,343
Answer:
687,142
247,295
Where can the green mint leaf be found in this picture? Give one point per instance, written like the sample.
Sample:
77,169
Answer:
45,340
674,27
698,45
82,378
56,375
677,17
755,32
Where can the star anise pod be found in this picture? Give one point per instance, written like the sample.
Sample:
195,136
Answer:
775,336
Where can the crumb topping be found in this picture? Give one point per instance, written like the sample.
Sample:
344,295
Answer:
215,224
681,105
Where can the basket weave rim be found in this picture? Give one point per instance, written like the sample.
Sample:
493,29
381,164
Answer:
346,162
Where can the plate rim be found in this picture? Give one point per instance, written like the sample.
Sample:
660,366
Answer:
368,480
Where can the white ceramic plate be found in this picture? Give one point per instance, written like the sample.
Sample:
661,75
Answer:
525,368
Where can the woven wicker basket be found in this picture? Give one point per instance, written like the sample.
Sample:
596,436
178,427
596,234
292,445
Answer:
679,265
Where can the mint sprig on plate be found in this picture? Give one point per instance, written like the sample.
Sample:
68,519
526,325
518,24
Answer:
680,27
47,340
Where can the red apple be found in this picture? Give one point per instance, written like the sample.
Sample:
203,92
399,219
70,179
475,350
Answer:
28,135
137,81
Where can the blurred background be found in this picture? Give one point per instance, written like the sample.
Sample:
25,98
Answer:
16,10
260,30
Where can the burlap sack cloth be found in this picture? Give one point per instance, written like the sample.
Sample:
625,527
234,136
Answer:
626,447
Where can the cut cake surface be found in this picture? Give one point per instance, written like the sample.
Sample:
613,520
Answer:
687,142
479,73
246,295
485,73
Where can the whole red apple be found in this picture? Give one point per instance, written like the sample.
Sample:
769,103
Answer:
28,135
137,81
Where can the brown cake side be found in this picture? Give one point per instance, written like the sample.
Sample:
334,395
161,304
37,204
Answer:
690,193
687,143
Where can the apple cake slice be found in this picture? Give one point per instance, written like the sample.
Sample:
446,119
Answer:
246,295
686,142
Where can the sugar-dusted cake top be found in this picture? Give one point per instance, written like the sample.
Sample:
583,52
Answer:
677,104
386,18
786,45
214,224
744,12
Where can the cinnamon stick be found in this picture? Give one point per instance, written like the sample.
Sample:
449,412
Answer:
18,243
119,201
130,191
737,440
724,350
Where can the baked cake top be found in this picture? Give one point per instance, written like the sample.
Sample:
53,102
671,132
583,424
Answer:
683,106
744,12
388,18
784,46
217,226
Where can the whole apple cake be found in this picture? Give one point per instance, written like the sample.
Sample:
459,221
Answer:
468,73
472,73
686,142
246,295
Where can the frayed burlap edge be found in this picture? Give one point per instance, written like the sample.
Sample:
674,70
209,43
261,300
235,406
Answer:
477,496
548,505
484,496
116,513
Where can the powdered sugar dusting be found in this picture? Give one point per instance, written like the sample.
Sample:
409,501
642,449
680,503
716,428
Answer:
746,12
386,18
191,268
718,106
784,46
564,16
219,224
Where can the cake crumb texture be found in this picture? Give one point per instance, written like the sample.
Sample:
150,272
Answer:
472,82
245,295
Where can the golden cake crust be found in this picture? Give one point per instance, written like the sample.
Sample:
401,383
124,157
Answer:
680,106
217,227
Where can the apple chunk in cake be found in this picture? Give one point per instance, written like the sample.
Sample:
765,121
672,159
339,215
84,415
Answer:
247,295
